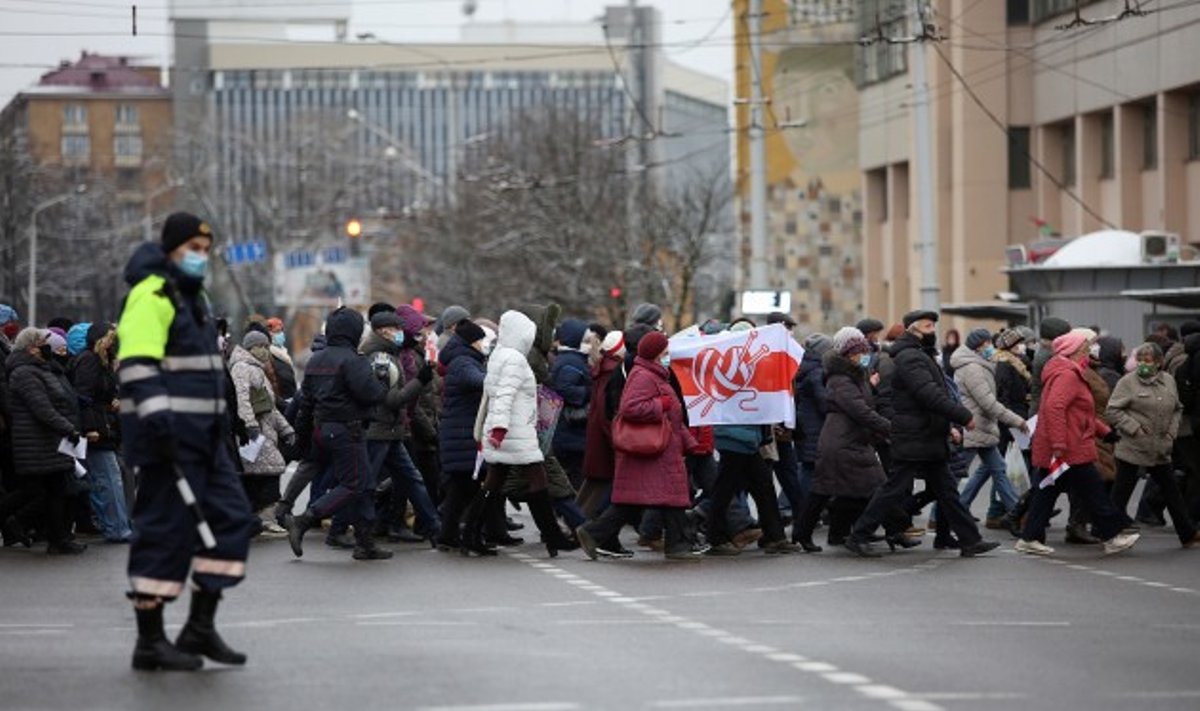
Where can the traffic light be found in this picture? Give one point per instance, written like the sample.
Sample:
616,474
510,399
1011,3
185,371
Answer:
419,304
615,292
354,229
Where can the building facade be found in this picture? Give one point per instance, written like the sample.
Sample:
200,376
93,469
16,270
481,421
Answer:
1086,127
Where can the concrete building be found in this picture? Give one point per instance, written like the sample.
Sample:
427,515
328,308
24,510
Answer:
1109,113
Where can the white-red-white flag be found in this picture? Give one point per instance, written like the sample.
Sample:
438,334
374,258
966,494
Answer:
738,378
1057,468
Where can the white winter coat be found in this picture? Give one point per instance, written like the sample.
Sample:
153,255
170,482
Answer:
510,393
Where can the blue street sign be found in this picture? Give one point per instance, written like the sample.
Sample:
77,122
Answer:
333,255
299,258
246,252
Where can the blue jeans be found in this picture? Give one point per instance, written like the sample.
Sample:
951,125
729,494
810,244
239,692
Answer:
108,495
407,483
807,471
991,466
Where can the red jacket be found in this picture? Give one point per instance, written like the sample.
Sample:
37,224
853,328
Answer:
1067,422
706,442
661,480
599,460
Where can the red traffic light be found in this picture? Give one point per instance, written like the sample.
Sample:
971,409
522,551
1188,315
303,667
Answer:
615,292
419,304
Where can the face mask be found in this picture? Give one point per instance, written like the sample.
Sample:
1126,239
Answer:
988,352
1019,349
221,341
279,339
1094,351
194,264
665,360
1146,370
929,340
585,348
864,361
46,353
398,338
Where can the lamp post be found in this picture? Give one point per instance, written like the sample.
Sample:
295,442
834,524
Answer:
33,244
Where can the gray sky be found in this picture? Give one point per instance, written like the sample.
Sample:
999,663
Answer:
36,34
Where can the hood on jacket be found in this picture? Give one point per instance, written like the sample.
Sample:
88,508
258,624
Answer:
1110,353
97,331
517,331
454,348
148,259
963,357
544,317
344,328
18,358
1191,343
836,364
570,333
374,343
241,355
318,343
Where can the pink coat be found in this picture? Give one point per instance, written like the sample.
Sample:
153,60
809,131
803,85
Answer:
660,480
1067,421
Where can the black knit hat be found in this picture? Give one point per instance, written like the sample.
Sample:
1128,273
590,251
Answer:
181,227
913,316
1052,327
469,331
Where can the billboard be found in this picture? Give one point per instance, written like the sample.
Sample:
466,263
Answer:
322,277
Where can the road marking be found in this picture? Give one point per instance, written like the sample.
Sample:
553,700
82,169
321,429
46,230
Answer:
1115,576
846,678
32,625
1011,623
31,632
815,667
914,705
970,696
377,615
572,603
731,701
881,692
418,623
541,706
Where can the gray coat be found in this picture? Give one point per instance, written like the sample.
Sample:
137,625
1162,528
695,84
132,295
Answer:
846,461
1146,412
976,381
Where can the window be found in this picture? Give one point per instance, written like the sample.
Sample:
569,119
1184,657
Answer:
1149,137
75,115
1046,9
1194,126
76,147
881,60
1018,12
1067,136
127,115
1019,175
1107,147
127,147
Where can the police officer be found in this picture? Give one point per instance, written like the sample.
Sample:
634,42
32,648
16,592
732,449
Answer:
174,421
340,389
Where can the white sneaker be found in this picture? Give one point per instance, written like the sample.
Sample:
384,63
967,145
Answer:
1033,547
1120,542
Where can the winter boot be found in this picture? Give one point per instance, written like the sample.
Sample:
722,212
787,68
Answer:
365,548
199,635
282,513
153,650
543,515
297,527
474,519
495,526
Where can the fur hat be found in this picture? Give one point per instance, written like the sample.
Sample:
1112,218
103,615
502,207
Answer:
469,331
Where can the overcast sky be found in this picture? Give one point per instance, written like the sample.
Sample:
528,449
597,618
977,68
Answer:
36,34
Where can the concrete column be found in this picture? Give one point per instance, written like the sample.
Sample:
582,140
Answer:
1047,147
1172,159
905,292
877,274
1127,128
1088,146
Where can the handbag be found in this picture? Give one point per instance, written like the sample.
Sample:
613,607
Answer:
641,439
261,401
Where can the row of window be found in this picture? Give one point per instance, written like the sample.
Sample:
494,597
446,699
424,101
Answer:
356,79
78,146
77,115
1020,174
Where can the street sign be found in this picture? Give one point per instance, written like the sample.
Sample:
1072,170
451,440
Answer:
246,252
764,302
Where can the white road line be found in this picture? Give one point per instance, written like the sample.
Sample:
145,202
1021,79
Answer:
881,692
27,625
914,705
1011,623
541,706
377,615
731,701
573,603
815,667
31,632
846,678
970,696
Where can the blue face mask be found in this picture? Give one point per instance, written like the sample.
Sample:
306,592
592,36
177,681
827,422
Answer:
665,360
279,339
988,352
194,264
398,338
864,361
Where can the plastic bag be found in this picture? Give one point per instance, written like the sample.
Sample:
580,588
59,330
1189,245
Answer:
1018,473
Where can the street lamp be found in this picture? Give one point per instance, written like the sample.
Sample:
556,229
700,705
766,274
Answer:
33,244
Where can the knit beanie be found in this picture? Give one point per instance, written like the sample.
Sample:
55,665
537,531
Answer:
7,314
451,317
1069,343
849,340
1008,339
469,331
818,344
570,332
977,338
896,331
181,227
56,342
648,314
613,344
652,345
1052,327
412,319
255,338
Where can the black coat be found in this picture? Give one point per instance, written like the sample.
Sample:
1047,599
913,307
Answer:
461,394
846,461
1012,388
571,377
339,385
96,385
809,389
924,408
43,409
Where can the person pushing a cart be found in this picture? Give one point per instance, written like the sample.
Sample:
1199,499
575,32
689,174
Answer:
191,512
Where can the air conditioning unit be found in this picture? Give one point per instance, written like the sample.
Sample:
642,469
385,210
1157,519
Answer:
1160,247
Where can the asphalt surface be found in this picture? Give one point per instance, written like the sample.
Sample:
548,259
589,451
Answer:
916,631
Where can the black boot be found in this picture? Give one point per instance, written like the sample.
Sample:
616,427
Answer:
495,524
543,515
365,548
472,533
297,527
199,635
153,651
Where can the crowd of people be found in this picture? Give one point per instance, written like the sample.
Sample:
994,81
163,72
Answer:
170,432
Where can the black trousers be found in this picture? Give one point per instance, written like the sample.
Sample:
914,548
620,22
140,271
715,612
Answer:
744,472
1164,476
460,488
887,506
677,536
1186,456
40,500
843,512
1085,481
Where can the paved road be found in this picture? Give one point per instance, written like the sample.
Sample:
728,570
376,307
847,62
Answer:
915,631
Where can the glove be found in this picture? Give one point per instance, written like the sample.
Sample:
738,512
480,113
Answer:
73,438
252,433
164,448
425,374
1111,438
496,436
667,401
